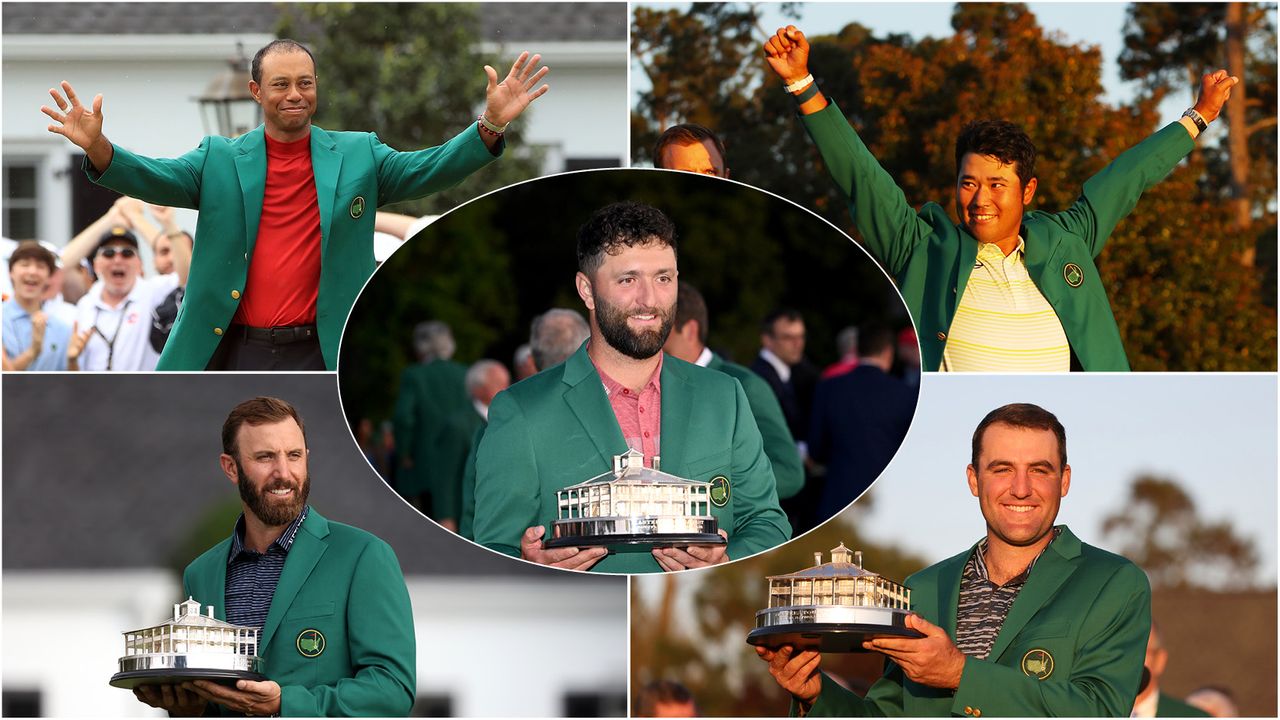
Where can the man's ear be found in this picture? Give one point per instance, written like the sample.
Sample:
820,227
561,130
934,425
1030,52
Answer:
255,90
585,291
228,465
1028,192
973,479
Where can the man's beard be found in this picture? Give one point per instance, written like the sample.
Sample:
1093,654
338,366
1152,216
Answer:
642,345
272,514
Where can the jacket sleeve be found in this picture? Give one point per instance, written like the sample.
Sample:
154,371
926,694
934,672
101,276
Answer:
382,648
508,489
1105,672
788,471
889,226
761,524
411,175
1112,194
174,182
884,699
466,523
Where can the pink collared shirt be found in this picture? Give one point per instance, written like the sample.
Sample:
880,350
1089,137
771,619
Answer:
639,415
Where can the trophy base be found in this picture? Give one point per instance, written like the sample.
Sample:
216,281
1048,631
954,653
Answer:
637,543
826,637
173,676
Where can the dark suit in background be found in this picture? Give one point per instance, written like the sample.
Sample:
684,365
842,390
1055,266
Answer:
859,420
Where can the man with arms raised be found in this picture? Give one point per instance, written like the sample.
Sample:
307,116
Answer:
1005,289
337,627
618,392
1029,621
287,210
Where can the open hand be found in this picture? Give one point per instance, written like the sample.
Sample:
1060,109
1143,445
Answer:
75,122
177,700
787,52
569,558
504,101
76,345
932,660
796,671
1215,88
693,556
247,697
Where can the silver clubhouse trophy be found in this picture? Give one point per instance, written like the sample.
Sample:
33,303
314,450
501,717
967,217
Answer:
832,607
633,508
191,646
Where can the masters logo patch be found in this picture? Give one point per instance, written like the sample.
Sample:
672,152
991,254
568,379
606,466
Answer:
357,207
1038,663
1072,273
310,643
719,491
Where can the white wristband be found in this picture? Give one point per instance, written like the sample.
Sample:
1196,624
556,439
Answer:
799,85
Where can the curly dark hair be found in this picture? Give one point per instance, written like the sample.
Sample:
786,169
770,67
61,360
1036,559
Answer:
621,224
1001,140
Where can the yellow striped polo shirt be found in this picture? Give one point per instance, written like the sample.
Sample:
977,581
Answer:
1003,323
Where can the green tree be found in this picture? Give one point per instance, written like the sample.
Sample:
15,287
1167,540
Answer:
411,72
1159,528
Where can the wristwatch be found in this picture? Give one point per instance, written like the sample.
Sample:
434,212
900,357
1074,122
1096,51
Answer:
1196,118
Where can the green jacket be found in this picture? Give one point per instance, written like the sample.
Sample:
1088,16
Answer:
1086,609
557,429
778,443
224,179
467,512
429,394
932,257
346,584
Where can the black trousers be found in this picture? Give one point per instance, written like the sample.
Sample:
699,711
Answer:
253,349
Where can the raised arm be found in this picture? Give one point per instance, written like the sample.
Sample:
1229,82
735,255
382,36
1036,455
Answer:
1112,194
889,226
80,125
179,246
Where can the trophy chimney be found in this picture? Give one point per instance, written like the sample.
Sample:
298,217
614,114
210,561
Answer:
817,558
657,462
857,559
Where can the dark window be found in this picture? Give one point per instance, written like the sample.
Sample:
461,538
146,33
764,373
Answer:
20,200
20,703
571,164
432,706
589,704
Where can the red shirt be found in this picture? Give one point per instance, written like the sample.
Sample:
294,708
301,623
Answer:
284,271
639,415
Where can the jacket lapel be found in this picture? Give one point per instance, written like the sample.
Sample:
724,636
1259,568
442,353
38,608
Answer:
1051,571
326,162
1037,250
251,169
585,397
677,402
949,591
308,546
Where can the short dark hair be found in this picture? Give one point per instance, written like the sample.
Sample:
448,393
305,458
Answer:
258,411
1027,417
32,250
685,134
1001,140
873,339
275,46
661,692
622,224
691,306
782,313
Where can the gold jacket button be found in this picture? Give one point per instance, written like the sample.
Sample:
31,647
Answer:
235,294
968,710
977,712
942,336
217,331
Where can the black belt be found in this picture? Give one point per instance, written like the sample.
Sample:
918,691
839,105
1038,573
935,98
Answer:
279,335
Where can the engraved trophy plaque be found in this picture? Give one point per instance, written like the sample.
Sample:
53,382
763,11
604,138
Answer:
191,646
634,509
832,607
